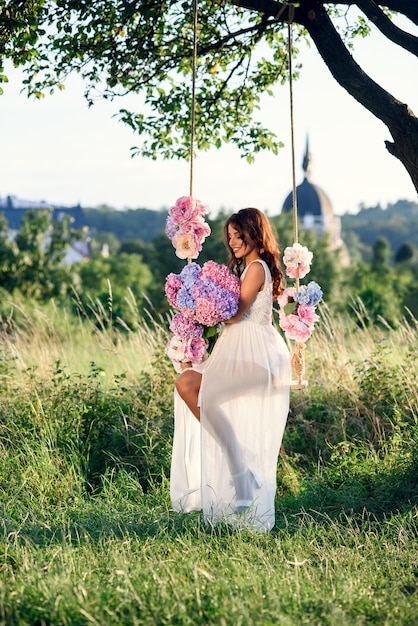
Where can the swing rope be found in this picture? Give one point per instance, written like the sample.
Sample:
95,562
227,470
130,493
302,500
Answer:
193,98
292,136
298,357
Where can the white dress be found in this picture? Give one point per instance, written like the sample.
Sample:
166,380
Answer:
229,459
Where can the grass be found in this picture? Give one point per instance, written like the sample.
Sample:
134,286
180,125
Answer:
44,335
88,535
114,561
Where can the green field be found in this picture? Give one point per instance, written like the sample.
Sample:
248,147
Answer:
88,533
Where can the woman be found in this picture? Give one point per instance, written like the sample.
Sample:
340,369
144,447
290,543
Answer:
231,411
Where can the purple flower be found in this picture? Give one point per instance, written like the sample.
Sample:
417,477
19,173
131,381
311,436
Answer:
189,274
185,299
170,227
185,327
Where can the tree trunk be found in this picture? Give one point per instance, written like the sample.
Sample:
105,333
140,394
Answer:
397,116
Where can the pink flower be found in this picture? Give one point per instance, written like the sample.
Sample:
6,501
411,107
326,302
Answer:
186,208
286,296
202,301
186,227
198,228
183,210
302,268
175,349
294,328
186,350
196,350
185,326
173,285
207,312
221,275
306,314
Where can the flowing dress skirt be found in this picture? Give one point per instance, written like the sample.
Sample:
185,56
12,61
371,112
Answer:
245,387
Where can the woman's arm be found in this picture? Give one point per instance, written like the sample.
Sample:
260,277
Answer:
250,286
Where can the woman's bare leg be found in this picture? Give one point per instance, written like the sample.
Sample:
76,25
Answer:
188,387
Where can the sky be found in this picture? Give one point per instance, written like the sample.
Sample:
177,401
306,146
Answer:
59,151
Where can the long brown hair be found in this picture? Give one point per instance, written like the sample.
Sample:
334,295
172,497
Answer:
253,223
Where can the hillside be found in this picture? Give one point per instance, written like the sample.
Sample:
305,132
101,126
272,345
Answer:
398,223
126,225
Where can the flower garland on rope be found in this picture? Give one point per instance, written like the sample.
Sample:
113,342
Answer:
297,305
203,296
186,227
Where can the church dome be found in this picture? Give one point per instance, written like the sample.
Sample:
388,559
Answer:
314,206
311,200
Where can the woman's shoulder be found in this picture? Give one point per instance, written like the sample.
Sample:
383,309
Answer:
263,263
259,262
258,272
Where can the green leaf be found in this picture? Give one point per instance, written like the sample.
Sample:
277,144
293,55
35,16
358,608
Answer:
289,308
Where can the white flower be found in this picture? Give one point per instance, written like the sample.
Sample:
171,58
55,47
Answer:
186,246
176,348
298,260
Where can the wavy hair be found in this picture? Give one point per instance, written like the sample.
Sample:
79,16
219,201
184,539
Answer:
253,223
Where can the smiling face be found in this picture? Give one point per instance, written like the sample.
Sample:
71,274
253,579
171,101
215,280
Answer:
241,245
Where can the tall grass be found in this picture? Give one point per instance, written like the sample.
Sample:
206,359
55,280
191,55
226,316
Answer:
88,533
38,337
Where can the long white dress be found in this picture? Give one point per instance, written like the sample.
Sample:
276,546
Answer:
244,404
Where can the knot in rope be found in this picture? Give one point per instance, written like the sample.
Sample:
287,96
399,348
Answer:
291,12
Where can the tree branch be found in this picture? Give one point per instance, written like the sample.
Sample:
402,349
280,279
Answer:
397,116
408,8
268,7
387,27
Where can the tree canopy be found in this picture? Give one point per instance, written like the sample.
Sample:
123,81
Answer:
123,46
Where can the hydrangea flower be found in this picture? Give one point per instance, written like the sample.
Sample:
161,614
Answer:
186,327
309,294
204,297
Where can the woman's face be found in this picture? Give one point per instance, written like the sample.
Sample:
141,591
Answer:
241,249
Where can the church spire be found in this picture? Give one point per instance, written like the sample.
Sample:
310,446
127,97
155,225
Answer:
307,161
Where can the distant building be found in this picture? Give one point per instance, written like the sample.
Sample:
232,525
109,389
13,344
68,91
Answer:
14,210
314,206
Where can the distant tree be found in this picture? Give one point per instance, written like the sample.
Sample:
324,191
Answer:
397,222
104,242
406,252
406,267
126,224
137,246
113,289
373,292
410,298
356,248
381,254
33,262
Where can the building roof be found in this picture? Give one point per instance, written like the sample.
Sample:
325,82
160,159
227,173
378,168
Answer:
14,209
